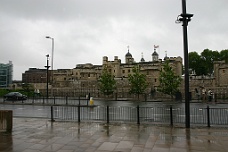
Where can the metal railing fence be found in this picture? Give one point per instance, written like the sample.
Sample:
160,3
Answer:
158,115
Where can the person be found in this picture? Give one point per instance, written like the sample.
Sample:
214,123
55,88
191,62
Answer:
197,93
210,95
204,94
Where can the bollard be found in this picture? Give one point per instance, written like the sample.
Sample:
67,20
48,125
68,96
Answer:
171,115
138,120
107,114
208,117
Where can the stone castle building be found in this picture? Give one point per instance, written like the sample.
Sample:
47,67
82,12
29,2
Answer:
85,76
83,79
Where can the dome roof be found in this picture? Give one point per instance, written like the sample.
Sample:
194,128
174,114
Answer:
155,53
142,60
128,54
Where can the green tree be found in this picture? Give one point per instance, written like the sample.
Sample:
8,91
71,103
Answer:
208,57
224,55
138,82
196,63
107,84
203,64
27,89
169,82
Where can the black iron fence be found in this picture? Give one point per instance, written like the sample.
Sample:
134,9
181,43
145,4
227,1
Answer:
80,109
157,115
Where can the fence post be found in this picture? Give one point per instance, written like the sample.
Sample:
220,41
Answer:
52,118
79,116
138,119
171,115
208,117
107,114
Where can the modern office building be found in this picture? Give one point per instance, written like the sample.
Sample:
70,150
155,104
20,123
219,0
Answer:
6,74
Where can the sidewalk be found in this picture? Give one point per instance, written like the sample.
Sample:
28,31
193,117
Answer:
35,135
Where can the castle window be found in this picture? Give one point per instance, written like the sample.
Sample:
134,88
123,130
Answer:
123,71
155,80
129,70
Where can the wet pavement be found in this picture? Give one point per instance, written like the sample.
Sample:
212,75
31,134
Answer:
35,135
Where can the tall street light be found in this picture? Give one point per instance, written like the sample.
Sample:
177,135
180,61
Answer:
52,62
52,59
47,76
185,18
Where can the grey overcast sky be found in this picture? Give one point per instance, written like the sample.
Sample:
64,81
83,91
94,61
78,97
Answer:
86,30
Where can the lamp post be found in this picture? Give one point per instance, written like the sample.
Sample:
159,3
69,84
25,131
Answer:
185,18
47,76
52,58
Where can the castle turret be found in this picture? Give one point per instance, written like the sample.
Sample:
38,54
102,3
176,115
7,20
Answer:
128,57
142,59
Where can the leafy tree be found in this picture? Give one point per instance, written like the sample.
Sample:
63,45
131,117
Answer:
224,55
169,82
209,57
196,63
203,64
107,84
137,80
27,89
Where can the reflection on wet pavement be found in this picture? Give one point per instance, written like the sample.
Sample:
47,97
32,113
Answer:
33,135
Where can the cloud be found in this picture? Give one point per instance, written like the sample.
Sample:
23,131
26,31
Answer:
86,30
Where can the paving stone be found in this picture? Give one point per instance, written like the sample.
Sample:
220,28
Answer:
32,135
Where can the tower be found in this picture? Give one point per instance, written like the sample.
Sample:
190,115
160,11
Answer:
128,57
155,54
